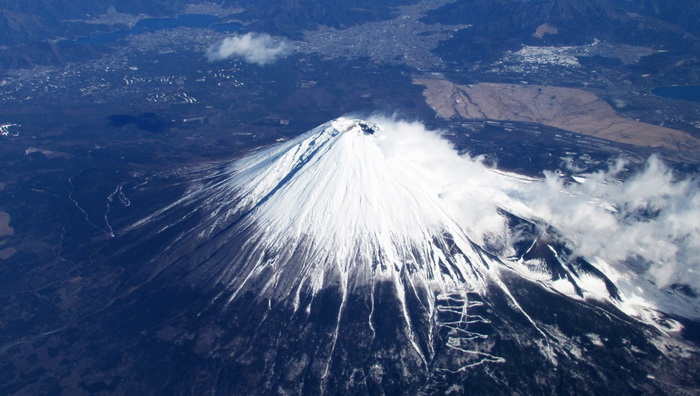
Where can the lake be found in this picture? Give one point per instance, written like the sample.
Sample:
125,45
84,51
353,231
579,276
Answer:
689,92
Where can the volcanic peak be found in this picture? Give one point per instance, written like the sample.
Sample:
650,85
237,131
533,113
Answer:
343,124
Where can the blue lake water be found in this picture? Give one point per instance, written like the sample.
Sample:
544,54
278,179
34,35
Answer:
155,24
689,92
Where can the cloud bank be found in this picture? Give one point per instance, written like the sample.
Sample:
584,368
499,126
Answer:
643,231
650,221
259,49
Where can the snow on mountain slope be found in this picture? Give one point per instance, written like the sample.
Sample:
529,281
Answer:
352,203
374,247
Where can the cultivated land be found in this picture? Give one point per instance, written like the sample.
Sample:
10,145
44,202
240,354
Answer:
569,109
5,229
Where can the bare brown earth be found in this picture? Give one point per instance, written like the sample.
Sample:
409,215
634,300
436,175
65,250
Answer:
5,229
7,253
569,109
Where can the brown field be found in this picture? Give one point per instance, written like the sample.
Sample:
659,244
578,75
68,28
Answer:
7,253
5,229
569,109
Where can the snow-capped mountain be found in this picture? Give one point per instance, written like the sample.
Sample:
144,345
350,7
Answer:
350,204
374,258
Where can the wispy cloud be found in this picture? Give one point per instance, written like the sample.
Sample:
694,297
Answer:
260,49
650,221
645,227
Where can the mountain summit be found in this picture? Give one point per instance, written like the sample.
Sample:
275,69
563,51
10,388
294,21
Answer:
339,207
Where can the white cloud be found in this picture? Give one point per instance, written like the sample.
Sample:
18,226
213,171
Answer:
470,189
652,218
260,49
645,227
